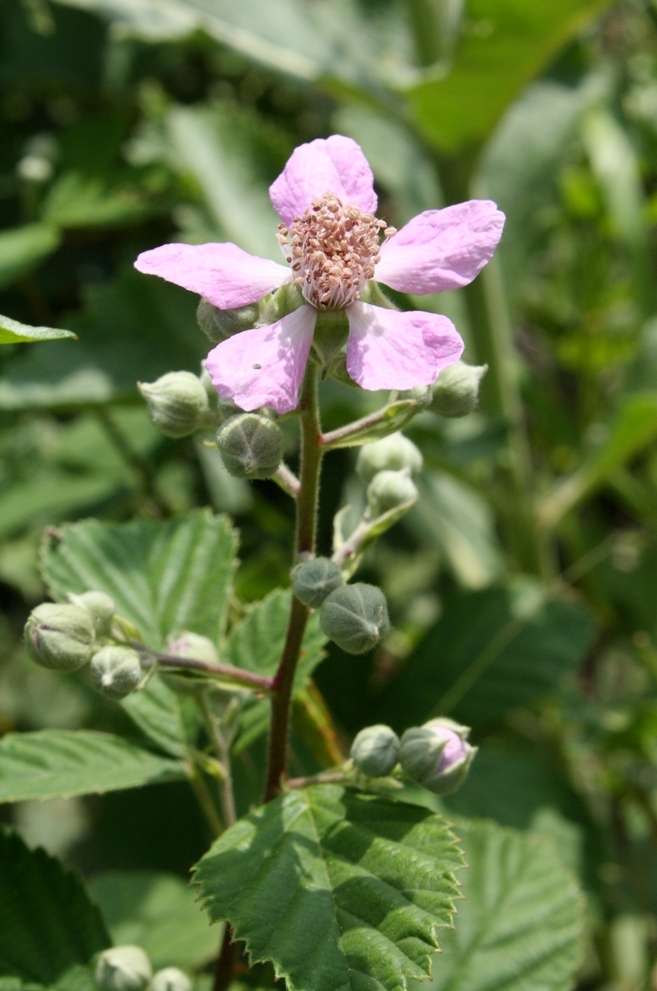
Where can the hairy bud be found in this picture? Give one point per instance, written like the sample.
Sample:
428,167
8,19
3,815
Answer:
192,645
250,445
437,755
177,402
171,979
100,607
60,636
314,580
355,617
375,751
115,671
456,390
218,325
392,453
388,490
123,968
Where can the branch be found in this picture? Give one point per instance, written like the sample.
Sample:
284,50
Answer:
224,671
287,480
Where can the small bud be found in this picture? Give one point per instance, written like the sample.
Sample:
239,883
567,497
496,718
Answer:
171,979
218,325
177,402
437,755
422,395
375,751
250,445
123,968
388,490
456,390
100,607
355,617
192,645
60,636
115,671
314,580
392,453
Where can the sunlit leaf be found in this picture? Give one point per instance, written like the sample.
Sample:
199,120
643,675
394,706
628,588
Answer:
21,248
13,332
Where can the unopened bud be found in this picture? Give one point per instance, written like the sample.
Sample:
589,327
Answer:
100,607
171,979
123,968
422,395
218,325
389,490
456,390
177,402
250,445
375,751
392,453
60,636
437,755
194,646
314,580
355,617
115,671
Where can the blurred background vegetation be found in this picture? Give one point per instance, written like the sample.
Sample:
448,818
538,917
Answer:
523,586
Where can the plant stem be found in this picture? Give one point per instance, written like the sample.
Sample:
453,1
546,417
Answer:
222,749
310,464
223,972
332,777
224,671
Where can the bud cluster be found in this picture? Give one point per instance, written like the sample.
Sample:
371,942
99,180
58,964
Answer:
127,968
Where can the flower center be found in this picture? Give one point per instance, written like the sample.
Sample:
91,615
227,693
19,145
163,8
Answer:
333,250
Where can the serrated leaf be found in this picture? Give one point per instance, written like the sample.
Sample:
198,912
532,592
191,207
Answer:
47,922
340,890
520,925
57,763
156,710
13,332
163,577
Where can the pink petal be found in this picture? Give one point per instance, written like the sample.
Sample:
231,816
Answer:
335,165
264,366
222,273
441,249
391,350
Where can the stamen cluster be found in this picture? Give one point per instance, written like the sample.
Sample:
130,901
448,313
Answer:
333,250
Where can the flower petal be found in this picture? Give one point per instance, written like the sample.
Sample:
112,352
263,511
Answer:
222,273
441,249
264,366
391,350
335,165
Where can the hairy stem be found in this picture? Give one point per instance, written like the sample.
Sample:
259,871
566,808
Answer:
223,671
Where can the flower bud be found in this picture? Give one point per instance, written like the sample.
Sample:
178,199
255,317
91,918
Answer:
115,671
171,979
355,617
314,580
388,490
422,395
250,445
375,751
100,607
392,453
123,968
218,325
60,636
456,390
177,402
437,755
192,645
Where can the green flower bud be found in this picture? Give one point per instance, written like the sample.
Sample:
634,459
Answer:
375,751
437,755
171,979
388,490
456,390
177,402
100,607
422,394
218,325
314,580
123,968
192,645
355,617
392,453
115,671
250,445
60,636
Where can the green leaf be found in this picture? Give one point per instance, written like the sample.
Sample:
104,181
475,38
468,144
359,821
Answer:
158,912
387,420
157,711
24,247
163,577
338,889
13,332
57,763
520,925
47,923
77,200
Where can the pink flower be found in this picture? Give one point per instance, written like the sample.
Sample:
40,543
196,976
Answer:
331,240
